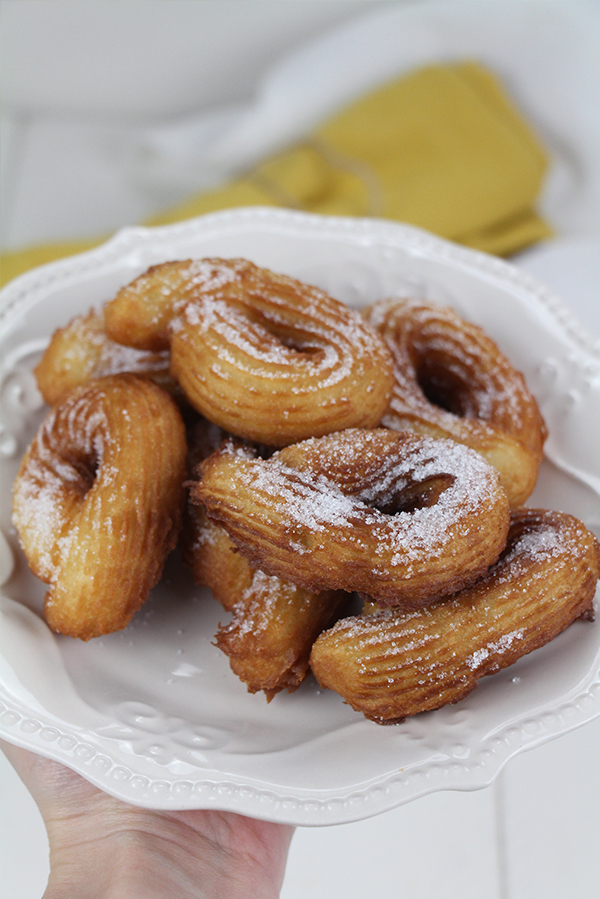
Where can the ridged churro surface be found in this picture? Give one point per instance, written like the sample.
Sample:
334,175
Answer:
392,664
98,501
273,623
451,380
262,355
81,351
398,517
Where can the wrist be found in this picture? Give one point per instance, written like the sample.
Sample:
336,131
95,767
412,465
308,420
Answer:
158,856
126,864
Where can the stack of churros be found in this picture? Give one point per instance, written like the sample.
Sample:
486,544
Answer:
303,455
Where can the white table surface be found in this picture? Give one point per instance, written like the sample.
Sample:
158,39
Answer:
534,832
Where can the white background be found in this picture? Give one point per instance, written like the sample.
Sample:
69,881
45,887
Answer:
77,74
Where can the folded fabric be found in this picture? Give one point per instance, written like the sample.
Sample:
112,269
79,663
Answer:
442,148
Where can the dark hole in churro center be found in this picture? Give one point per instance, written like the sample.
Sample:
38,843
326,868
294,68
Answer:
79,466
418,495
87,471
281,334
296,346
444,388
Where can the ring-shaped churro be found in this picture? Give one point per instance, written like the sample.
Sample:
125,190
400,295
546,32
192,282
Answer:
451,380
98,501
398,517
264,356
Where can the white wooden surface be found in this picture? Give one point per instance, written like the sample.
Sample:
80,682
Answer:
533,833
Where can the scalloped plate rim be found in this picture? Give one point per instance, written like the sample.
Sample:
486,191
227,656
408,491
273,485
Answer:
49,737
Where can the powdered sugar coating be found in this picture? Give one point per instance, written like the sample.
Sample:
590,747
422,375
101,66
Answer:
451,380
82,351
395,516
390,664
98,501
262,355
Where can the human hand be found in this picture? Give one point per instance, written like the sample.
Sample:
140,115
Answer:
102,848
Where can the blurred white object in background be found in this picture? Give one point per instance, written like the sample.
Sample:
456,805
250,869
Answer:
92,168
149,60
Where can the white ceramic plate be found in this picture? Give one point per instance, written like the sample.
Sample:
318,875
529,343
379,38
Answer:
153,715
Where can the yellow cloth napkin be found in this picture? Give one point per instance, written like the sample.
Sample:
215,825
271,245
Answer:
443,148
